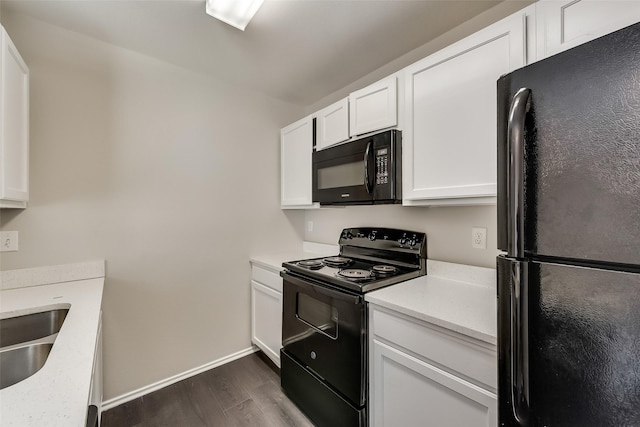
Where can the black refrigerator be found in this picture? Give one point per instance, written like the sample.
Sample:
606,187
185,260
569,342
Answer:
569,224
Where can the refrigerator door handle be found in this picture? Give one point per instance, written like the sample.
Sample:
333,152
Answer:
519,343
515,172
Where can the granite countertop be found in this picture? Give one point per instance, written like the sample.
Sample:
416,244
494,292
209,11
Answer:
457,297
58,394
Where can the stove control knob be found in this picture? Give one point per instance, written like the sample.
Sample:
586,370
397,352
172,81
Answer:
412,242
403,239
313,355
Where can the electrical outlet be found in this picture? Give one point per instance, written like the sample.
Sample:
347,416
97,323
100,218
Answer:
479,238
309,226
8,241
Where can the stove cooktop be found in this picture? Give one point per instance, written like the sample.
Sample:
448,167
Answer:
370,258
352,273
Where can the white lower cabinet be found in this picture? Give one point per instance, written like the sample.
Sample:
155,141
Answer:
266,312
424,375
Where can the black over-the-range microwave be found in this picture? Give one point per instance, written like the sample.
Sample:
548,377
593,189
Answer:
365,171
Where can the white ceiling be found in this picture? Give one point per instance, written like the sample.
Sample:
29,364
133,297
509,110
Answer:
295,50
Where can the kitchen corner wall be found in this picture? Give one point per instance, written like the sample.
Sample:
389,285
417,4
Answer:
448,228
171,176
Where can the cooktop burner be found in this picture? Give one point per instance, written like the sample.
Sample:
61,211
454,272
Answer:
383,270
337,261
355,273
312,264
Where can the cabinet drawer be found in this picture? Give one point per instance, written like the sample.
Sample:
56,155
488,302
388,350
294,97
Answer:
266,277
407,391
457,354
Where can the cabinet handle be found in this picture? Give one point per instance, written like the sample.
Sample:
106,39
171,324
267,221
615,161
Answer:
515,172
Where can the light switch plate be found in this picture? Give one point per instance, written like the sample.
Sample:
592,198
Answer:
8,241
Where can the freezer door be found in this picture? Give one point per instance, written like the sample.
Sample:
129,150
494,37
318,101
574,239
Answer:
581,177
577,354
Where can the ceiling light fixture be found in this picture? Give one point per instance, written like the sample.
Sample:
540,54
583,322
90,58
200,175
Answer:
237,13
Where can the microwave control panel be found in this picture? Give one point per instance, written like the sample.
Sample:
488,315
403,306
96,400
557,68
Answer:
382,166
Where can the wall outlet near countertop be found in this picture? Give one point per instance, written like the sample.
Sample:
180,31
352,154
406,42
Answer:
309,226
8,241
479,238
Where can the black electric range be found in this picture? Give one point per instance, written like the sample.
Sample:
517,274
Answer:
324,320
369,259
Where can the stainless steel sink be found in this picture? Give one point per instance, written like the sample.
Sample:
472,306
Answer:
21,329
25,343
19,363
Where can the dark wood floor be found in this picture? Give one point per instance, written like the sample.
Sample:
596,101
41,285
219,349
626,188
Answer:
245,392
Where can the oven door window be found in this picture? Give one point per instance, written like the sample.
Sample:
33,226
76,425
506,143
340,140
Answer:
317,314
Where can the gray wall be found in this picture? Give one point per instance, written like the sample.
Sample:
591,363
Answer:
171,176
448,228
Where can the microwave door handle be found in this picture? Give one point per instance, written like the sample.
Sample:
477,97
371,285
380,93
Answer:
368,163
515,172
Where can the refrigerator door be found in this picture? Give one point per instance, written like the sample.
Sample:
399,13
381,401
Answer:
569,345
581,152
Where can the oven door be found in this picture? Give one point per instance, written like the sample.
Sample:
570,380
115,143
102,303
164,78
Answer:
324,329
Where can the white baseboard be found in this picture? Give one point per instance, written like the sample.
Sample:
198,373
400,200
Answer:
119,400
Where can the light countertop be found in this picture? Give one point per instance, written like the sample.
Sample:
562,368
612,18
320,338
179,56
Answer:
457,297
309,250
58,394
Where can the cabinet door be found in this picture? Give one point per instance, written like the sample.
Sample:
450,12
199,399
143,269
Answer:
332,124
266,320
449,151
407,391
296,146
14,126
563,24
374,107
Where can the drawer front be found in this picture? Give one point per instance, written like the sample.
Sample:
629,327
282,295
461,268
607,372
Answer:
266,277
451,351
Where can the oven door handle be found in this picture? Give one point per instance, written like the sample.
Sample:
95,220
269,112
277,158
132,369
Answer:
319,288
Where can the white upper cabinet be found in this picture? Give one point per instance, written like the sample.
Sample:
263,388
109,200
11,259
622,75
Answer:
332,124
374,107
296,146
563,24
449,138
14,126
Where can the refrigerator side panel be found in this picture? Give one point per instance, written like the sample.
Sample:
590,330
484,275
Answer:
582,173
584,346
